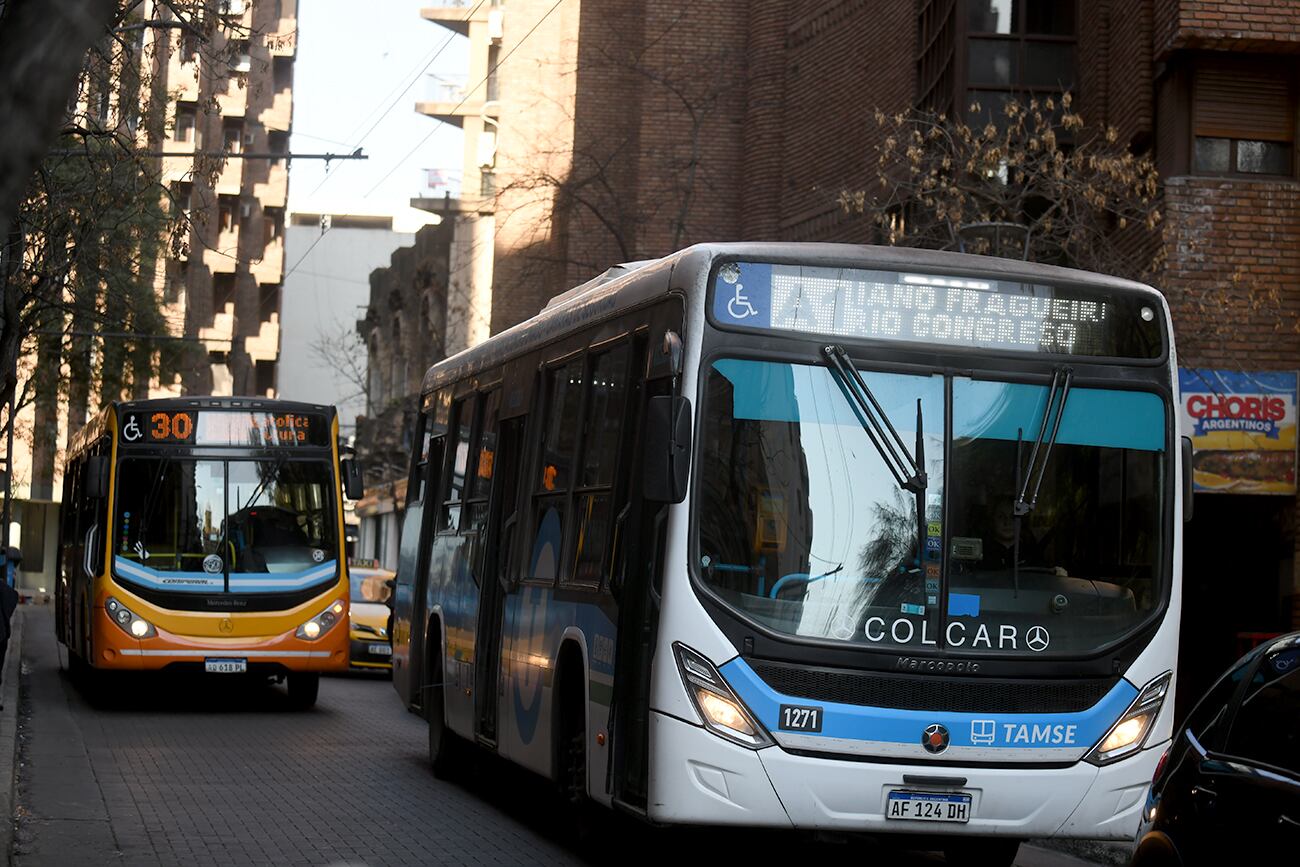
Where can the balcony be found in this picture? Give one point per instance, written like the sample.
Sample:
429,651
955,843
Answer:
221,259
232,100
455,14
231,179
220,336
270,268
274,192
279,114
265,345
449,99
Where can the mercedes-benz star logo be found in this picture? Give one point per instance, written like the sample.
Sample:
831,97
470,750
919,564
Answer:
935,738
1037,638
226,625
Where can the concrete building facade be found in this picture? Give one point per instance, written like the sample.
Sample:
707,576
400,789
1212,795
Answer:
322,358
224,83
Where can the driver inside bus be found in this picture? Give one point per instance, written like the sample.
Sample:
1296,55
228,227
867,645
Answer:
1000,535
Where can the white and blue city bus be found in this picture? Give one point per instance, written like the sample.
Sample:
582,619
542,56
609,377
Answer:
810,536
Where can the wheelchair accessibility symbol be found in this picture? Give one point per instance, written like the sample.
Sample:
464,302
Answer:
739,307
131,432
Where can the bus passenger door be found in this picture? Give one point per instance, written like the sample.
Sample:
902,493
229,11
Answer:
497,555
634,583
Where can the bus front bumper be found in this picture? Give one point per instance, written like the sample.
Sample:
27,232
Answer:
120,651
702,779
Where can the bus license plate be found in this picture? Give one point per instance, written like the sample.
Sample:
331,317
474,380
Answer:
225,666
381,650
928,807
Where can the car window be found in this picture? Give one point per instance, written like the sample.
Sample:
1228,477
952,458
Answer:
1266,728
1205,720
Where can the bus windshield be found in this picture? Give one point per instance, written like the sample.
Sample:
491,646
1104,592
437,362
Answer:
240,525
802,529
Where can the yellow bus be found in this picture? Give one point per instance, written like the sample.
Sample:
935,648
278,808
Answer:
206,534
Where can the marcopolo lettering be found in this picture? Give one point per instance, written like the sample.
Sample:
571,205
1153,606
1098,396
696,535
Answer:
949,666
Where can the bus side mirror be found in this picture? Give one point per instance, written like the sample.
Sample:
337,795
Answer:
353,485
97,477
667,449
1187,478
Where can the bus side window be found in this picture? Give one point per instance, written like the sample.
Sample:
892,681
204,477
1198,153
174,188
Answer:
415,482
71,507
97,512
602,426
482,458
563,389
458,445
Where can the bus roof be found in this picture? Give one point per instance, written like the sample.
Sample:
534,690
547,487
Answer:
634,283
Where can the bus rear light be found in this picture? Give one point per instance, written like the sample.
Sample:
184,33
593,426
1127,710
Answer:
1129,733
723,712
128,621
321,623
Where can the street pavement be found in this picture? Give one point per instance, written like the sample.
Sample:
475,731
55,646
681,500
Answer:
208,772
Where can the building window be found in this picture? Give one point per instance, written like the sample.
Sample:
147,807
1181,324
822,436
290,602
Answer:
232,136
281,72
1243,117
223,292
240,59
1018,47
264,373
184,122
272,224
228,210
277,143
268,301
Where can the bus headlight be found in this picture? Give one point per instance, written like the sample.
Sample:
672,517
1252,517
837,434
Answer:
321,623
723,712
128,621
1130,731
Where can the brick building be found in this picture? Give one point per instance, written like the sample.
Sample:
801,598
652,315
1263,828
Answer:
405,330
622,130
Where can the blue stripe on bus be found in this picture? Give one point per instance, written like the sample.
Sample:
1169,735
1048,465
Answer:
890,725
202,582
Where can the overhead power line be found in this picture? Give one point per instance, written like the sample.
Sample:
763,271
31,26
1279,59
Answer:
465,98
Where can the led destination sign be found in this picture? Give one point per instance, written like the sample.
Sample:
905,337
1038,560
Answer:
925,308
254,428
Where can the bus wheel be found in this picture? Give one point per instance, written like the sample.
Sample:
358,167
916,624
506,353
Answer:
982,852
303,688
447,751
572,754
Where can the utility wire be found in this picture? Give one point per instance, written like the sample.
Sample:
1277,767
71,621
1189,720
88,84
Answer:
465,98
427,63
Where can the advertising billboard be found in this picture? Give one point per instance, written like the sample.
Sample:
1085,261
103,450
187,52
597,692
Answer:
1243,430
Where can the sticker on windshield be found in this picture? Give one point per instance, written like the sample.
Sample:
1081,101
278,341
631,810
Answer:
909,608
318,555
212,563
141,551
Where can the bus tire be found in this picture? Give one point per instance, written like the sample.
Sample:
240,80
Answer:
571,747
303,686
447,750
982,852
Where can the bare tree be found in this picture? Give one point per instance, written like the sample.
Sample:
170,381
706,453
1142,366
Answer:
1036,183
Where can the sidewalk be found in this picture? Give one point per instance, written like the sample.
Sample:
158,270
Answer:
9,733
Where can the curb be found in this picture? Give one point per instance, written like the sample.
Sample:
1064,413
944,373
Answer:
9,735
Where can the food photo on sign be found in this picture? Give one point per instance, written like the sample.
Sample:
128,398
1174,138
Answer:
1243,430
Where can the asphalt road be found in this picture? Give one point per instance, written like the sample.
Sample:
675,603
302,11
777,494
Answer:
166,772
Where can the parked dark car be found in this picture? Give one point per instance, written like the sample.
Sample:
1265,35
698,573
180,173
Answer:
1228,789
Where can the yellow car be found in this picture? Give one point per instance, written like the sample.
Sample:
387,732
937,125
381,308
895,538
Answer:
371,646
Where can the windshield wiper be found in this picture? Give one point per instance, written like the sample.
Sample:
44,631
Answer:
142,534
908,471
1025,500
